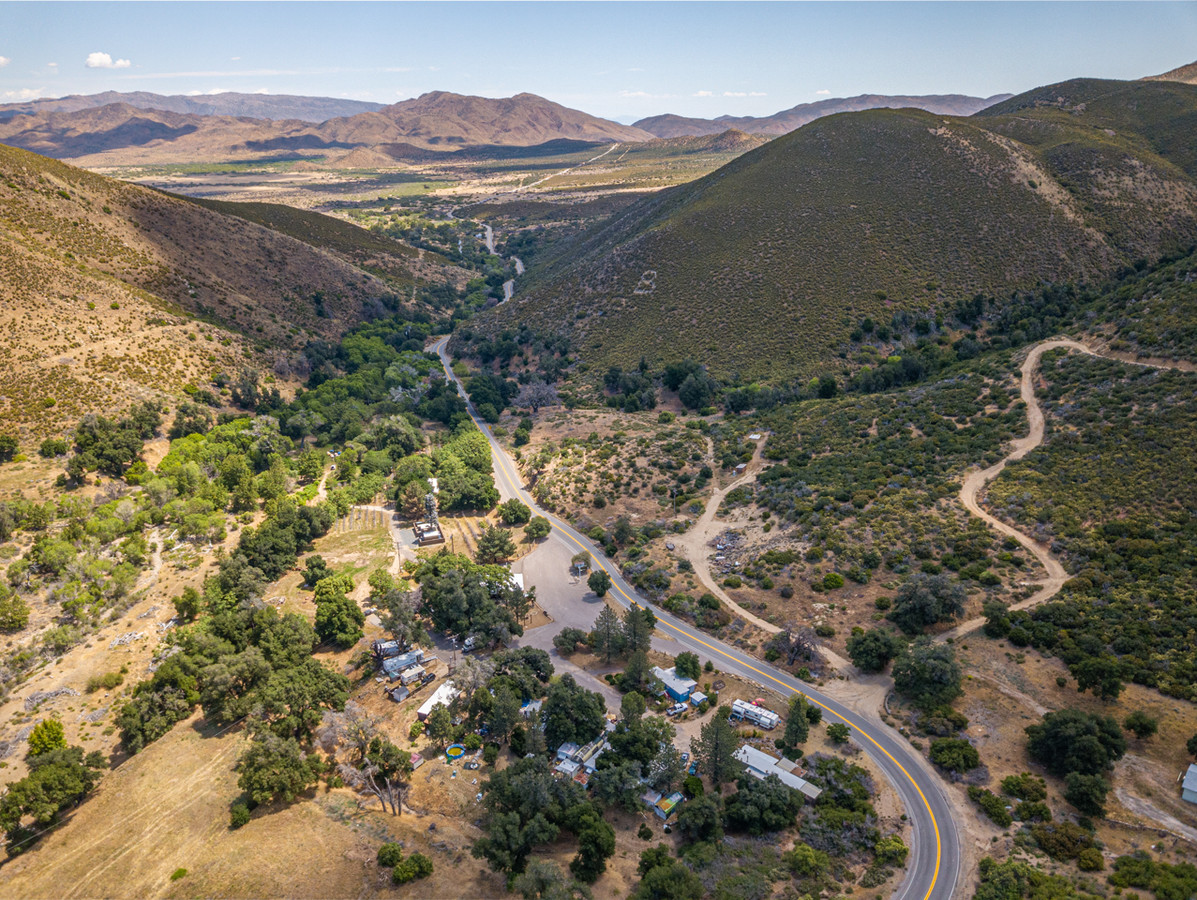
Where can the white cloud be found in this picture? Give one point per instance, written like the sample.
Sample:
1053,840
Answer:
52,65
757,94
104,61
823,93
704,93
735,93
634,94
4,61
234,58
23,94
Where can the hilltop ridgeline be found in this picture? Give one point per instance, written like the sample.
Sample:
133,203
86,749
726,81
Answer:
669,125
763,268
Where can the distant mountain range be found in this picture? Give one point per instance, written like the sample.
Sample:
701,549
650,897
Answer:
143,128
250,106
763,268
121,133
787,120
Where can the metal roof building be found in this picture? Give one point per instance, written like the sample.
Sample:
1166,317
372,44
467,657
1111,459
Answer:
676,686
762,765
1188,789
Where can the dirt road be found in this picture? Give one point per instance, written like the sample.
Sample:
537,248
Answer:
976,482
695,543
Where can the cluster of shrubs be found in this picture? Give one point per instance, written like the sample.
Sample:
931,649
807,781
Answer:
403,870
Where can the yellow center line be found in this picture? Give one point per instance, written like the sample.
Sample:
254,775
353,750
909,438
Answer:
507,469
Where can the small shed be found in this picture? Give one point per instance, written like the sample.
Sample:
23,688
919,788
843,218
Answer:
1188,788
666,806
698,698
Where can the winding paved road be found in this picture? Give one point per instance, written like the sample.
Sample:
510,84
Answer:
934,864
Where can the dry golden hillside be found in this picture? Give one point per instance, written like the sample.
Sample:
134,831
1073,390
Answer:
113,293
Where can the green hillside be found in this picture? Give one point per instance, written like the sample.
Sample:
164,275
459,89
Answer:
763,267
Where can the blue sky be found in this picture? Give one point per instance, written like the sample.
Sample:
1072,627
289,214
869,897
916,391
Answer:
612,59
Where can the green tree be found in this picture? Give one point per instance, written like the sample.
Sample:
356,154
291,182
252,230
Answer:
607,637
891,850
572,713
927,674
872,650
838,733
686,664
596,844
8,447
390,855
631,708
1100,674
439,725
544,880
505,713
495,545
275,768
57,780
413,868
1191,745
954,754
315,569
618,785
925,600
1074,741
47,735
1087,793
797,724
716,747
637,674
701,819
14,611
1141,725
537,529
339,619
762,805
665,878
567,639
188,604
513,512
638,624
599,582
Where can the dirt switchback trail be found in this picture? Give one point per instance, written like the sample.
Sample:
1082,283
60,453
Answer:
975,482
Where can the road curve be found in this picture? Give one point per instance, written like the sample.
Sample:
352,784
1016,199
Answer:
934,864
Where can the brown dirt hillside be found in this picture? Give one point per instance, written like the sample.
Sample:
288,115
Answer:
102,283
1183,74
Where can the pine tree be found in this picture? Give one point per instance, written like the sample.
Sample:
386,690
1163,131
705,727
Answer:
716,747
607,638
797,723
637,629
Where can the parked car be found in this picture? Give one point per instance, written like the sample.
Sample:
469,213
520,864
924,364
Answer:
685,758
693,770
676,710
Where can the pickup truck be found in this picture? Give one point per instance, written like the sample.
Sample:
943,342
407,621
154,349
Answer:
676,710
